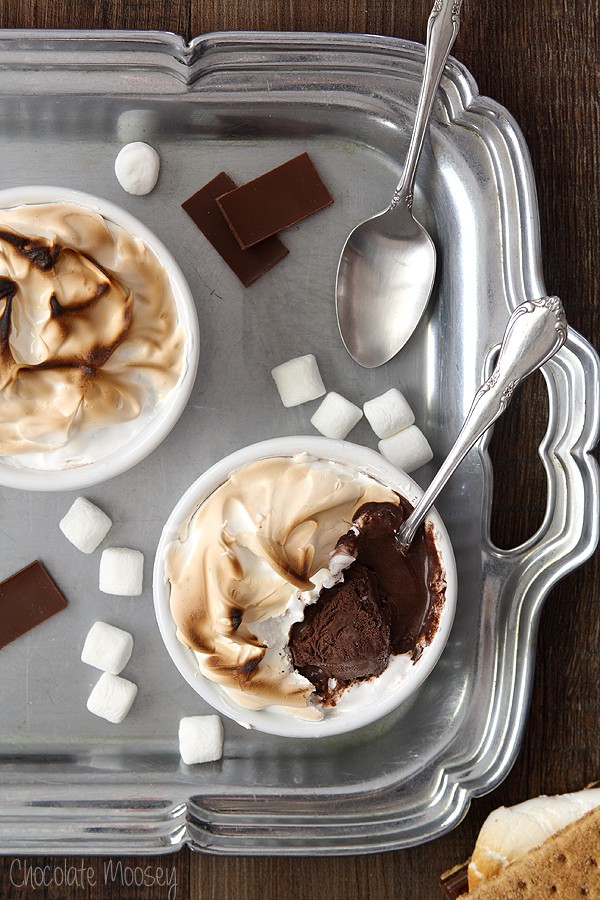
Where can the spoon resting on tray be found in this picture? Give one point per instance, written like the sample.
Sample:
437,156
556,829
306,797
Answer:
535,331
387,268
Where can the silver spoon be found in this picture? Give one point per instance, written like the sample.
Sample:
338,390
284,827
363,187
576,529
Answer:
386,271
535,331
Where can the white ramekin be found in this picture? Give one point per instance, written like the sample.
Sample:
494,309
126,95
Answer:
135,449
383,695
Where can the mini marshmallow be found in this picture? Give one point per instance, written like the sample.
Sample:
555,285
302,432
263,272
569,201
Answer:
112,697
121,572
85,525
200,739
408,449
298,380
388,413
136,167
107,648
336,416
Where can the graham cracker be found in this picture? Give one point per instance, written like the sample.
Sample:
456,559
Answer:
565,867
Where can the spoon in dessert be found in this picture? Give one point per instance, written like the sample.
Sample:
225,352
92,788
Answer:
534,333
386,271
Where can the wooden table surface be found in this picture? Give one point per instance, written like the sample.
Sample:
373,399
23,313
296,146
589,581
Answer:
539,59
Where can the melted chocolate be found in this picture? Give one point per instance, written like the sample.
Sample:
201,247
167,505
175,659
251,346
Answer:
406,597
407,582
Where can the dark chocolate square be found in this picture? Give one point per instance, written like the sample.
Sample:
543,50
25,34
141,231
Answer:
274,201
249,264
455,882
27,598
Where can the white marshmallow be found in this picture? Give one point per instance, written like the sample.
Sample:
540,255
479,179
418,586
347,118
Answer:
121,572
336,416
112,697
200,739
136,167
408,449
85,525
298,380
107,648
388,413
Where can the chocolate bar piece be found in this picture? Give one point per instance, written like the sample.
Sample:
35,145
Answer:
27,598
274,201
455,882
248,265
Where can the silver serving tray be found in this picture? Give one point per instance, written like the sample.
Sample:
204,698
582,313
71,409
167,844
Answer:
244,102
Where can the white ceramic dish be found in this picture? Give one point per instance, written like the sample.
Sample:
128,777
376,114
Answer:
136,444
378,696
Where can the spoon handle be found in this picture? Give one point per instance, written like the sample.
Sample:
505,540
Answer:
442,28
535,331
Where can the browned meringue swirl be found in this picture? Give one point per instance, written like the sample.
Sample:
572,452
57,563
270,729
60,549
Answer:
246,551
89,331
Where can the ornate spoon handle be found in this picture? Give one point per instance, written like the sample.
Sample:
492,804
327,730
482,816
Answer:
442,28
535,331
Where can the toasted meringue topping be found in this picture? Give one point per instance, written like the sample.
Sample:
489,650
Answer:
246,555
89,330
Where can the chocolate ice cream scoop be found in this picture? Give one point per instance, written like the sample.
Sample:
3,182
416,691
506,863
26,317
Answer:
388,603
345,635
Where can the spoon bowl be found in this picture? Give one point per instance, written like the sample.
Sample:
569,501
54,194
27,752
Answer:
387,267
385,258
